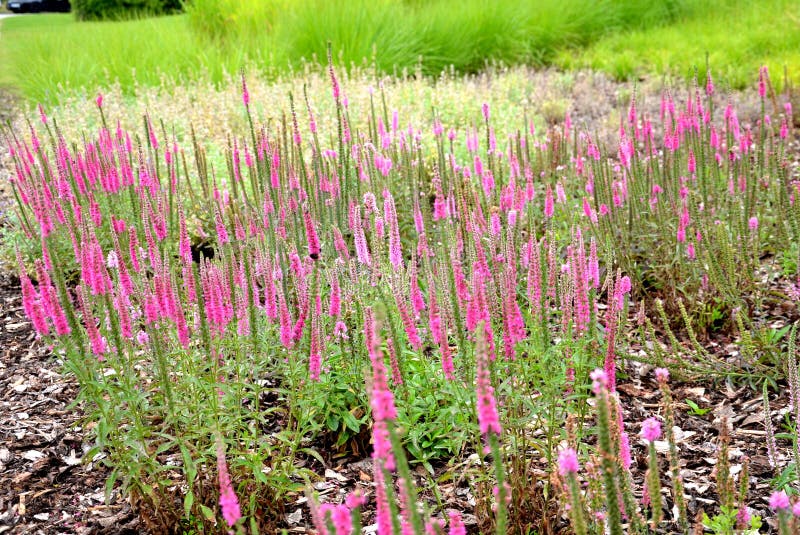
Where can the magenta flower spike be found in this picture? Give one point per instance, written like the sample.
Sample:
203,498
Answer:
390,213
381,398
488,417
549,203
228,501
49,299
568,462
219,225
417,300
311,236
97,342
383,516
457,526
32,304
245,92
362,250
285,323
779,501
651,430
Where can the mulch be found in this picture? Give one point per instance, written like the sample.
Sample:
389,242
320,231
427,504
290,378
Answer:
44,485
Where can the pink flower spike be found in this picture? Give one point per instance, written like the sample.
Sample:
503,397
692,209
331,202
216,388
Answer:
779,501
245,92
311,236
355,499
488,418
568,462
228,501
651,430
743,516
457,526
142,338
752,223
662,375
599,380
548,203
709,84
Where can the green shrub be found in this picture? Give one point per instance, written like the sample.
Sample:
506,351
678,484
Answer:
122,9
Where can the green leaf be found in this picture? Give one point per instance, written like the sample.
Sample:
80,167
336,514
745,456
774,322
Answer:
333,422
189,466
351,422
695,408
109,488
207,513
446,476
188,501
259,475
428,467
314,453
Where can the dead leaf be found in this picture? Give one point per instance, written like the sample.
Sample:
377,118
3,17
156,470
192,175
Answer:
332,474
295,518
32,455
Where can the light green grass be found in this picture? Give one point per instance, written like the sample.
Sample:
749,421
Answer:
47,56
738,37
41,54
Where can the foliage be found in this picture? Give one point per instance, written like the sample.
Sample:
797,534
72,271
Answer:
122,9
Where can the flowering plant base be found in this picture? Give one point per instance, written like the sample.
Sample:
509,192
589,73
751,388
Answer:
450,302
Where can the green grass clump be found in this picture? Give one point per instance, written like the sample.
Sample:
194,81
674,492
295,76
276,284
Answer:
736,36
437,34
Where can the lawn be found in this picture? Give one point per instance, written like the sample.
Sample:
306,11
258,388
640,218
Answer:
49,56
45,57
735,36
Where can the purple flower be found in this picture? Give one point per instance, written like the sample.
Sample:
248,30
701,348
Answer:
548,203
